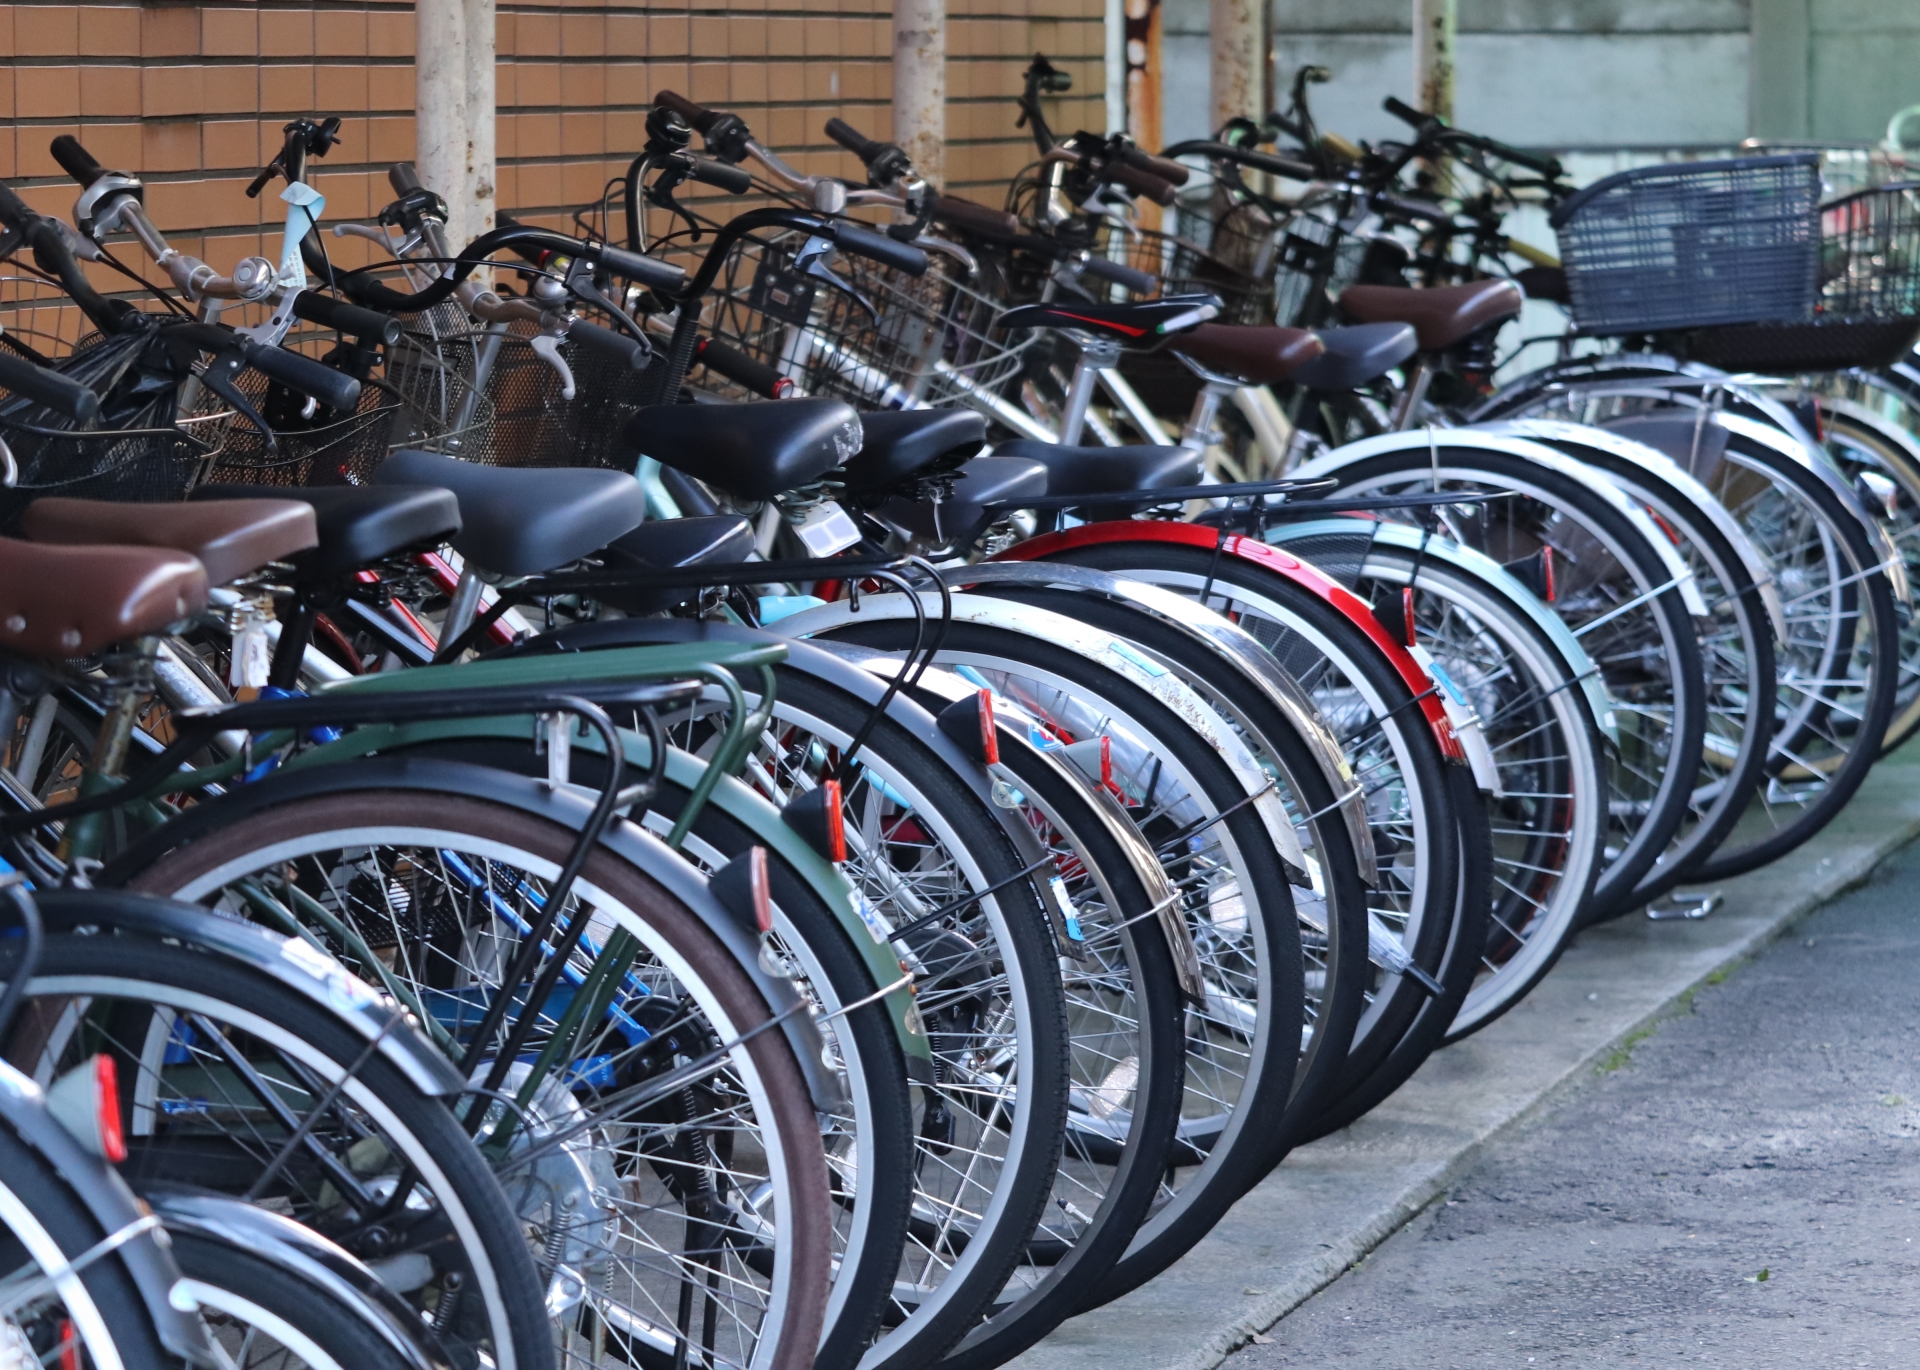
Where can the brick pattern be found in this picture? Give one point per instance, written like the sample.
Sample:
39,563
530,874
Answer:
193,97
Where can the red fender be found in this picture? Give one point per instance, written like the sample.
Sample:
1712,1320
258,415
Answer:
1307,577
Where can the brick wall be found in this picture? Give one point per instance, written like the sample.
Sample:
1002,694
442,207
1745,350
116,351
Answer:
193,97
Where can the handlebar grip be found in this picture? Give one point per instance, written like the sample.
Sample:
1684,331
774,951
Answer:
1140,183
75,160
854,141
738,367
403,178
650,272
60,393
880,248
1139,282
368,325
1546,166
975,218
617,346
709,171
13,209
335,389
697,115
1403,111
1141,160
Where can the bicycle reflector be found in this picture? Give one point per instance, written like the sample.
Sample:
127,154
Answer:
817,817
86,1102
744,889
970,723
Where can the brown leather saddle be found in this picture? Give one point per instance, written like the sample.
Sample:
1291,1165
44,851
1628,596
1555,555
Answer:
1255,354
1441,315
60,602
230,538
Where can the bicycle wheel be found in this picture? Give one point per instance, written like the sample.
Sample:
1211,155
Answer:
1547,818
1617,594
692,1224
1191,807
220,1066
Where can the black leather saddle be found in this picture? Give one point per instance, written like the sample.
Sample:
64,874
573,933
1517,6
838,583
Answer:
359,524
522,522
672,544
1141,324
983,490
1107,470
1357,354
755,451
901,443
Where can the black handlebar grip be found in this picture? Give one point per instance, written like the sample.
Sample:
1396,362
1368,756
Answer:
368,325
335,389
650,272
59,393
731,179
738,367
1139,182
1403,111
1546,166
13,209
854,141
75,160
1279,166
1141,160
697,115
618,346
880,248
1139,282
969,217
403,178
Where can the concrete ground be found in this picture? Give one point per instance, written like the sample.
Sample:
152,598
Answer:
1751,1112
1741,1188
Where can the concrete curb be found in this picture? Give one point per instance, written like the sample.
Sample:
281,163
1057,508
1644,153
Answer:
1251,1271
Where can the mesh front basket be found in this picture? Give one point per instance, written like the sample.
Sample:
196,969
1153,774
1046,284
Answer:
1693,244
1185,268
1870,253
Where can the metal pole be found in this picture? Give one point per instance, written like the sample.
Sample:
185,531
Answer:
920,85
481,35
1116,65
1434,23
1239,60
441,139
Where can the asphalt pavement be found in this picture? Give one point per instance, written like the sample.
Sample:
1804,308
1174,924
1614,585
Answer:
1738,1187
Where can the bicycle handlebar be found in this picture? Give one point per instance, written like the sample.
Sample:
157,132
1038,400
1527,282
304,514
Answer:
403,178
62,394
1139,282
737,366
1155,188
868,150
618,346
368,325
699,116
76,161
52,254
1258,161
880,248
1141,160
994,224
1430,125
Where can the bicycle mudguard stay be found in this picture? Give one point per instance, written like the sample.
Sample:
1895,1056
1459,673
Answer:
1447,552
309,777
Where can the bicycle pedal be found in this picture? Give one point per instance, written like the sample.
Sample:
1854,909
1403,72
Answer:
1690,905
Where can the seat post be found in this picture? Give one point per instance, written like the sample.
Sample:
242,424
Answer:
1095,355
1415,395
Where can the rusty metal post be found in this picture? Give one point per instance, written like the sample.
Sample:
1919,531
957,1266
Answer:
920,85
481,45
1434,24
1239,65
442,141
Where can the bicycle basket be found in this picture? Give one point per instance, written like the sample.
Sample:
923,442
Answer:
1870,253
535,424
1185,267
1690,245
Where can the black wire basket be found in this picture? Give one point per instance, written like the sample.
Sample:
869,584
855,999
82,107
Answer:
1690,245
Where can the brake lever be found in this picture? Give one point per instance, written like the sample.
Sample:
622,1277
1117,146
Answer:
814,258
547,348
580,282
673,174
218,376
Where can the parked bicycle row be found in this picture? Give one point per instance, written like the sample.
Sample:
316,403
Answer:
744,786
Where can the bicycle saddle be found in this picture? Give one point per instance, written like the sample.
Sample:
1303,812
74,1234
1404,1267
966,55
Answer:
58,602
979,488
1357,354
901,442
755,451
1442,315
668,544
1257,355
522,522
360,524
1107,470
1146,321
229,541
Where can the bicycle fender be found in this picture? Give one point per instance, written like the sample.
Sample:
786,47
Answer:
292,1247
1309,578
1229,642
566,807
143,1254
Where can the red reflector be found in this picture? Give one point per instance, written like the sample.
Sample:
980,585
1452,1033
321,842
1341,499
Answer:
989,734
1106,765
106,1089
1546,570
1406,609
836,823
